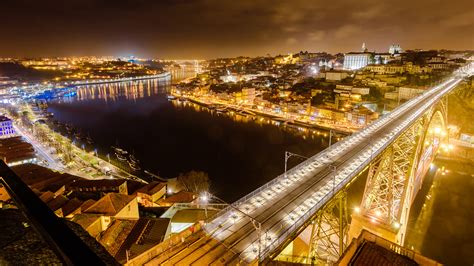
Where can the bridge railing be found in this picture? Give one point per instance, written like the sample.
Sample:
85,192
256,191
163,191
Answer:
312,211
275,181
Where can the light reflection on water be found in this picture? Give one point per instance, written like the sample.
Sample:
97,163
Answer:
135,90
175,136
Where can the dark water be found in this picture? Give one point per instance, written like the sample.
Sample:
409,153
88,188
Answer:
441,225
171,137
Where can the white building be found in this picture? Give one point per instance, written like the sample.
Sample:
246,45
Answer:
395,49
353,61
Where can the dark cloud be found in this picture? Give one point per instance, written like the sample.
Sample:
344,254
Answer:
213,28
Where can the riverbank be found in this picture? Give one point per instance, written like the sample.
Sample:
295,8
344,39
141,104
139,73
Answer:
251,111
59,152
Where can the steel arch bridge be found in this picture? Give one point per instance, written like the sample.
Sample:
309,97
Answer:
396,150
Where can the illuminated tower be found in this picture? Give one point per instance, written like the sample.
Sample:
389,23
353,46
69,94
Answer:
364,48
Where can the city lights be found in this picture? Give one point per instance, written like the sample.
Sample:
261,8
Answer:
268,138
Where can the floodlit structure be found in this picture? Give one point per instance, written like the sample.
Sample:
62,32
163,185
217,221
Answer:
396,150
6,127
353,61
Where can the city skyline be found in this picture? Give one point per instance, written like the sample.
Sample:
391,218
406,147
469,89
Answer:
210,29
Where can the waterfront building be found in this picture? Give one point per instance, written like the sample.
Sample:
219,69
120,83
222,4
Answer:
247,96
15,151
6,127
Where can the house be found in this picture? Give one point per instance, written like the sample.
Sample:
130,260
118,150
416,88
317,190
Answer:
151,193
94,224
180,197
115,205
103,185
71,208
97,216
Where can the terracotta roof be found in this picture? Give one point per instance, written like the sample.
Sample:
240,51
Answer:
57,202
98,183
110,204
85,219
15,149
41,178
152,187
71,206
86,204
372,254
180,197
47,196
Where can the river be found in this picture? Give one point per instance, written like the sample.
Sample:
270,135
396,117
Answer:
238,152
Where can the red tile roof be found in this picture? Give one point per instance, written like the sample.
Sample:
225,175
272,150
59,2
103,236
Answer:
110,204
152,188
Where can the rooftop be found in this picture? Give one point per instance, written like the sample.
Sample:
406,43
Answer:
152,187
4,118
110,204
180,197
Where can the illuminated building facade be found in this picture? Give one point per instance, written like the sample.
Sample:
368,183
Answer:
353,61
6,127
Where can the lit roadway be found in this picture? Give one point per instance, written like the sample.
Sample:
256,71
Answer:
284,204
44,153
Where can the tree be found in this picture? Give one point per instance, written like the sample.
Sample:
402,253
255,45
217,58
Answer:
194,181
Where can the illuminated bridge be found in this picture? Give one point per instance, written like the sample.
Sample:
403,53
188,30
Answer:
396,151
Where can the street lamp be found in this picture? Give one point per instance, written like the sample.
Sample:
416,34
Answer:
330,137
288,155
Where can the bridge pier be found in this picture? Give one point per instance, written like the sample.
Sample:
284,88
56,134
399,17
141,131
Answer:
325,238
395,177
329,231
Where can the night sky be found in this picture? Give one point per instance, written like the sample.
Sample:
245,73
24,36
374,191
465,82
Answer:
184,29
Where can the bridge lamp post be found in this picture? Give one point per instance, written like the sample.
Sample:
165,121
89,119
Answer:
288,155
206,196
331,133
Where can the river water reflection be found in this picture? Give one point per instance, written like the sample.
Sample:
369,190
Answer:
170,137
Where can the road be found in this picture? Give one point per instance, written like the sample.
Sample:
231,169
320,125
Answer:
283,205
43,152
